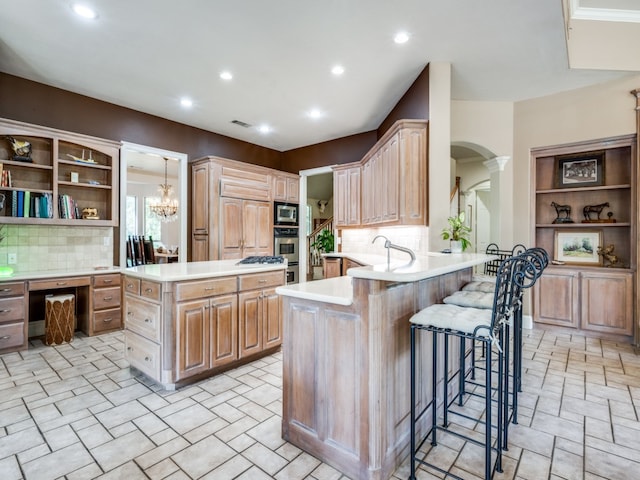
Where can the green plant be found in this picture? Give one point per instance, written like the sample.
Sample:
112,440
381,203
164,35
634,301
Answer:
324,241
457,231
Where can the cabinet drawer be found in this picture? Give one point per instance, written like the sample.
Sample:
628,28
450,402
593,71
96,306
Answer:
142,354
59,283
205,288
107,320
150,290
132,285
106,298
262,280
143,317
11,309
11,335
11,289
110,280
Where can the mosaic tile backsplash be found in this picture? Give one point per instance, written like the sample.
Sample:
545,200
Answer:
39,248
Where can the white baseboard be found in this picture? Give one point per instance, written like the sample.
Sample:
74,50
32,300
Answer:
527,322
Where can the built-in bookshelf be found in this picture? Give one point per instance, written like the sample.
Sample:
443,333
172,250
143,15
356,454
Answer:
65,179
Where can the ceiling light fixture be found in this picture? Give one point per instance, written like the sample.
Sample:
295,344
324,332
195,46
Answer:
401,37
264,128
167,209
84,11
186,102
315,113
226,75
337,70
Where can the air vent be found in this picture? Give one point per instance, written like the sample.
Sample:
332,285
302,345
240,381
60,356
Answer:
240,123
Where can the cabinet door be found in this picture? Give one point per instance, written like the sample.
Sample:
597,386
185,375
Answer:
271,318
388,188
556,299
331,267
200,248
223,330
354,200
192,338
279,188
230,228
607,302
256,225
413,172
250,323
293,190
200,199
340,197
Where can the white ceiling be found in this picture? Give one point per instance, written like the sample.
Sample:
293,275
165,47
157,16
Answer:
147,54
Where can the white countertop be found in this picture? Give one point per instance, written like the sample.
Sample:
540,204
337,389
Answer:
339,290
71,272
171,272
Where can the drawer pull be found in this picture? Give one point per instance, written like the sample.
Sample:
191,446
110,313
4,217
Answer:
6,310
129,314
208,289
130,349
5,290
129,285
107,280
106,299
147,359
262,281
61,283
107,320
6,337
148,290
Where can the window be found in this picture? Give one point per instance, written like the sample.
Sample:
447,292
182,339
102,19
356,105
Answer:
131,215
152,224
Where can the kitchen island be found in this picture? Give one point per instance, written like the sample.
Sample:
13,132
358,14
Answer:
187,321
346,362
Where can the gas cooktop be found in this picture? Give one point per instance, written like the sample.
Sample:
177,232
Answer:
261,259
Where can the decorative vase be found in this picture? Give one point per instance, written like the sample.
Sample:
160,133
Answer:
456,246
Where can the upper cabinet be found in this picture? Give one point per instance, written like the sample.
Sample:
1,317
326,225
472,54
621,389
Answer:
57,178
391,187
286,187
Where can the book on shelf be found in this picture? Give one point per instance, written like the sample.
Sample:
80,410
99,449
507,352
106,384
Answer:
27,204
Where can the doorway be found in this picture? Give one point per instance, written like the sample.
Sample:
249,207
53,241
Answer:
144,167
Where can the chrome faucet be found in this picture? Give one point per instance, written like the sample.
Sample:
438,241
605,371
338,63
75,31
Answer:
388,245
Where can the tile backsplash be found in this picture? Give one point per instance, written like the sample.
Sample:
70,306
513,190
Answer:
39,247
359,240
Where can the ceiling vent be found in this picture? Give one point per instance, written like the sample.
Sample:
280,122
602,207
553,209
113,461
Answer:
240,123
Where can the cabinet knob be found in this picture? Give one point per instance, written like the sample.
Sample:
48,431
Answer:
129,314
147,359
147,320
129,285
148,290
130,349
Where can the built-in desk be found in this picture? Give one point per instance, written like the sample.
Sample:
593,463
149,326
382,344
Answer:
22,303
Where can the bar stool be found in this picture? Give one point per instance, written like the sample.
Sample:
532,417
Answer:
59,319
482,325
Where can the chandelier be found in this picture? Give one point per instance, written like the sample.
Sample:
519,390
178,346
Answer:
167,209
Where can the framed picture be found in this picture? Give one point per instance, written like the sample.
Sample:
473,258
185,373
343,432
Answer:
583,170
578,247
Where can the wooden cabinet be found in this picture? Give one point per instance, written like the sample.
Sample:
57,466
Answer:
338,266
245,228
389,185
286,188
587,297
13,317
106,295
346,195
67,173
200,198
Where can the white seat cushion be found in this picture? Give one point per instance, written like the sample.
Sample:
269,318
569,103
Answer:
455,318
464,298
477,286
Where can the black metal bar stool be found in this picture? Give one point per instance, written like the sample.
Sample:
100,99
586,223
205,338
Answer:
482,325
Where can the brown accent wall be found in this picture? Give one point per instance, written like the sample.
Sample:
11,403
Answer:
338,151
413,105
40,104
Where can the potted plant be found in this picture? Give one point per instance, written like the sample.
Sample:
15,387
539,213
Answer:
458,233
324,241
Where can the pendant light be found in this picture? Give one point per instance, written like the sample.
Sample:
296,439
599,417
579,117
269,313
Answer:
167,209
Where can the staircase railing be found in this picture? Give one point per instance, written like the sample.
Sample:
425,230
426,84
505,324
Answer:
314,259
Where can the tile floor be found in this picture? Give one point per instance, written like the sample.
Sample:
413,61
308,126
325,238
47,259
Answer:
76,411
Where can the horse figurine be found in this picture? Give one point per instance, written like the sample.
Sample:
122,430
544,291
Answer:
562,209
597,209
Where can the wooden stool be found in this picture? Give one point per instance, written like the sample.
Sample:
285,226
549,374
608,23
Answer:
59,319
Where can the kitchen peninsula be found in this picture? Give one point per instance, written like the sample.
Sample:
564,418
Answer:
186,321
346,362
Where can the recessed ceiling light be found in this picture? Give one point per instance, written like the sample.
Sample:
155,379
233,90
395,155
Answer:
84,11
226,75
186,102
337,70
401,37
315,113
264,128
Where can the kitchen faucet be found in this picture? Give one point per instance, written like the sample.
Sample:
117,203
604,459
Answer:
388,245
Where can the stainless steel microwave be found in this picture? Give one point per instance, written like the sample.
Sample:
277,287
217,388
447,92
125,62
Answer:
285,213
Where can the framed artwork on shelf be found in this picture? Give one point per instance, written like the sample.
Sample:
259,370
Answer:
583,170
578,247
